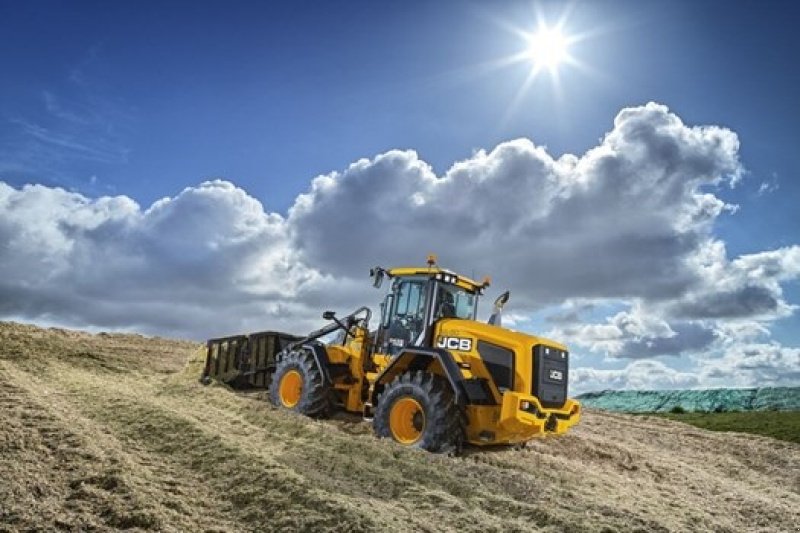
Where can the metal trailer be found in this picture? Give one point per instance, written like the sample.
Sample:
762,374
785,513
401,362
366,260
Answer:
244,361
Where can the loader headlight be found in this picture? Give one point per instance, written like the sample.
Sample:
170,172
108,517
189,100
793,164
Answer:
529,407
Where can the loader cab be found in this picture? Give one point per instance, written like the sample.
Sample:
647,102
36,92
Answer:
416,300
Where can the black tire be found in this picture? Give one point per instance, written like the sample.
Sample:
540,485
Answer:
314,399
442,426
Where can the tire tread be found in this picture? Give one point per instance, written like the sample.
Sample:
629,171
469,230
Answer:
444,429
315,400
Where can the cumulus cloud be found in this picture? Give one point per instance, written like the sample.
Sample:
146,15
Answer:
629,221
741,365
729,301
620,221
638,375
749,286
753,365
208,260
638,333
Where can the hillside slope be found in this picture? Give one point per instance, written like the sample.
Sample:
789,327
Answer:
113,431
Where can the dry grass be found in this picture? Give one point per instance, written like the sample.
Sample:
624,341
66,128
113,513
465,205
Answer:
113,432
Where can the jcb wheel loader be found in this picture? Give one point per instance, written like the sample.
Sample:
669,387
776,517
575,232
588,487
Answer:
429,376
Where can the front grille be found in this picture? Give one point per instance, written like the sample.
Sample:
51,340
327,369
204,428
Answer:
550,375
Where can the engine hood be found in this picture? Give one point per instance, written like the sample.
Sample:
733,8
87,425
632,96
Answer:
495,334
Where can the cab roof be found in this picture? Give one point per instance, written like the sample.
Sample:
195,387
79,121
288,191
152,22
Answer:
434,272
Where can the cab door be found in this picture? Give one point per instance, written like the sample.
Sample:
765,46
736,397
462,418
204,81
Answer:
404,315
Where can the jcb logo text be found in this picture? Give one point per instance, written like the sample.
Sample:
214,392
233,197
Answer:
454,343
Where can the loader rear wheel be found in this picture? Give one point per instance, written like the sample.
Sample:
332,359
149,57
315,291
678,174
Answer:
290,388
418,409
297,384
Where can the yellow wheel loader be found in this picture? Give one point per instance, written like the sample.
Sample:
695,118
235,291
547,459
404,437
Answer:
429,375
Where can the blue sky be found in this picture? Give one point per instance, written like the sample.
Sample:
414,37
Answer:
141,100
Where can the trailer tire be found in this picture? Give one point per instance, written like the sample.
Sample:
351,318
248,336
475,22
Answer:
418,409
298,385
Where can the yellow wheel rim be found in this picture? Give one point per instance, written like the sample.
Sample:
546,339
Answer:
407,420
290,388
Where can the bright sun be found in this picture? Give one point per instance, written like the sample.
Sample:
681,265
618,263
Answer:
544,50
548,48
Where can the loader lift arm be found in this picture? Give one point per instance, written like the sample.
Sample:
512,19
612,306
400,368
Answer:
345,323
309,342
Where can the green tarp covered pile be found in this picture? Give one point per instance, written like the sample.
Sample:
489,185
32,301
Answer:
709,400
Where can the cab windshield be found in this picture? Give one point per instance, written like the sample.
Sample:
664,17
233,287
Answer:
454,302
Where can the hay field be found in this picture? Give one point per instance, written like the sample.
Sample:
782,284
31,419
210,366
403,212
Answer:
108,432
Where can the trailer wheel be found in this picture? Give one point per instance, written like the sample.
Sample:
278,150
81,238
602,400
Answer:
298,385
417,409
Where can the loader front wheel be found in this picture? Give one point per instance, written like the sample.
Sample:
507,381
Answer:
418,409
298,385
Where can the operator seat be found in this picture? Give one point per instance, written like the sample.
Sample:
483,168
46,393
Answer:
447,307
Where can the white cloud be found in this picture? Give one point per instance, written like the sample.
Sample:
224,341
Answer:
753,365
638,375
769,186
620,221
209,260
629,221
740,365
637,333
748,287
730,301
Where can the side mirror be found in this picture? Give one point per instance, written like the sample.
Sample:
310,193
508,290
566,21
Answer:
329,315
501,300
497,315
377,276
